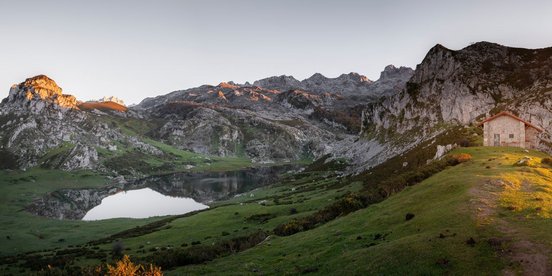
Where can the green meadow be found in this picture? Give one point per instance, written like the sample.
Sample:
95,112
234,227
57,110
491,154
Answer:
461,221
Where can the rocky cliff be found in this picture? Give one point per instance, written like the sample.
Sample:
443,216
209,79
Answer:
263,125
280,118
38,92
461,87
458,87
40,126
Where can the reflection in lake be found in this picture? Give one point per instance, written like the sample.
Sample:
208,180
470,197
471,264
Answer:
198,187
142,203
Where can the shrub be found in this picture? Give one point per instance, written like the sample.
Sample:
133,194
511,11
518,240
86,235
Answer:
289,228
125,267
261,218
117,249
203,253
349,203
460,158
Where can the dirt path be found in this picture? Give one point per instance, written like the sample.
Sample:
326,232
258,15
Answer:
522,253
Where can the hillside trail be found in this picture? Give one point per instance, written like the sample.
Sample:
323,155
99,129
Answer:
512,245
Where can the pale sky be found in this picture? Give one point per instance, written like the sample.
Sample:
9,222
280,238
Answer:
137,49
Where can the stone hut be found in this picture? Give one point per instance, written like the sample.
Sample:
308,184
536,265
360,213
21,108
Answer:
506,129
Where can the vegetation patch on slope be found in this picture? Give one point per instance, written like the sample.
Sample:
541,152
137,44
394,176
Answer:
454,222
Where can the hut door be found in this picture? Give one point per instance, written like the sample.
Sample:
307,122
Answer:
497,140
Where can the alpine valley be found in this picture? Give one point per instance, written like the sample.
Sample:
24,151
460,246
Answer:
323,175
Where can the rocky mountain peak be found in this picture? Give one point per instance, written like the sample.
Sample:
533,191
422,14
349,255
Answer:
282,82
392,72
42,83
482,45
229,85
458,87
355,77
438,48
38,91
351,84
112,99
317,77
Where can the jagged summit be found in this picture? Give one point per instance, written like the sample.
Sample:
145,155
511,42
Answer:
42,83
356,77
352,84
230,85
351,77
483,45
38,91
478,48
317,77
112,99
439,47
282,82
392,72
460,86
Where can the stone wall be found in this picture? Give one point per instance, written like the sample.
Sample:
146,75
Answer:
504,126
531,137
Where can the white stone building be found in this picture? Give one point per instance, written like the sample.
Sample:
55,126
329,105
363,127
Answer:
506,129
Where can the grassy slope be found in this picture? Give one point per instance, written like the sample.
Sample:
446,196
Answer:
434,242
375,240
28,232
174,159
18,189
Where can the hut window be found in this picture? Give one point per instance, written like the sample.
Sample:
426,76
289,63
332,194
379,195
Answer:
511,136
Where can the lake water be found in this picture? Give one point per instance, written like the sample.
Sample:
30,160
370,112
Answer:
159,195
142,203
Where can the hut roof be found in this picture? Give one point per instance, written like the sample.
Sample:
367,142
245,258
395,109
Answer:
505,113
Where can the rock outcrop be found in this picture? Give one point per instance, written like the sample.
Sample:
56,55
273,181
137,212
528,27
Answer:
392,80
112,99
346,84
40,126
38,92
461,87
281,83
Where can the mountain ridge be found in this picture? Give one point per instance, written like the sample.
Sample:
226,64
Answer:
280,119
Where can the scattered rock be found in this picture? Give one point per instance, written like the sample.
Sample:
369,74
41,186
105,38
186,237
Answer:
525,161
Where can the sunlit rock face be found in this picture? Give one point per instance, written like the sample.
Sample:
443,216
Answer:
40,126
276,119
460,88
280,119
112,99
39,91
391,81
